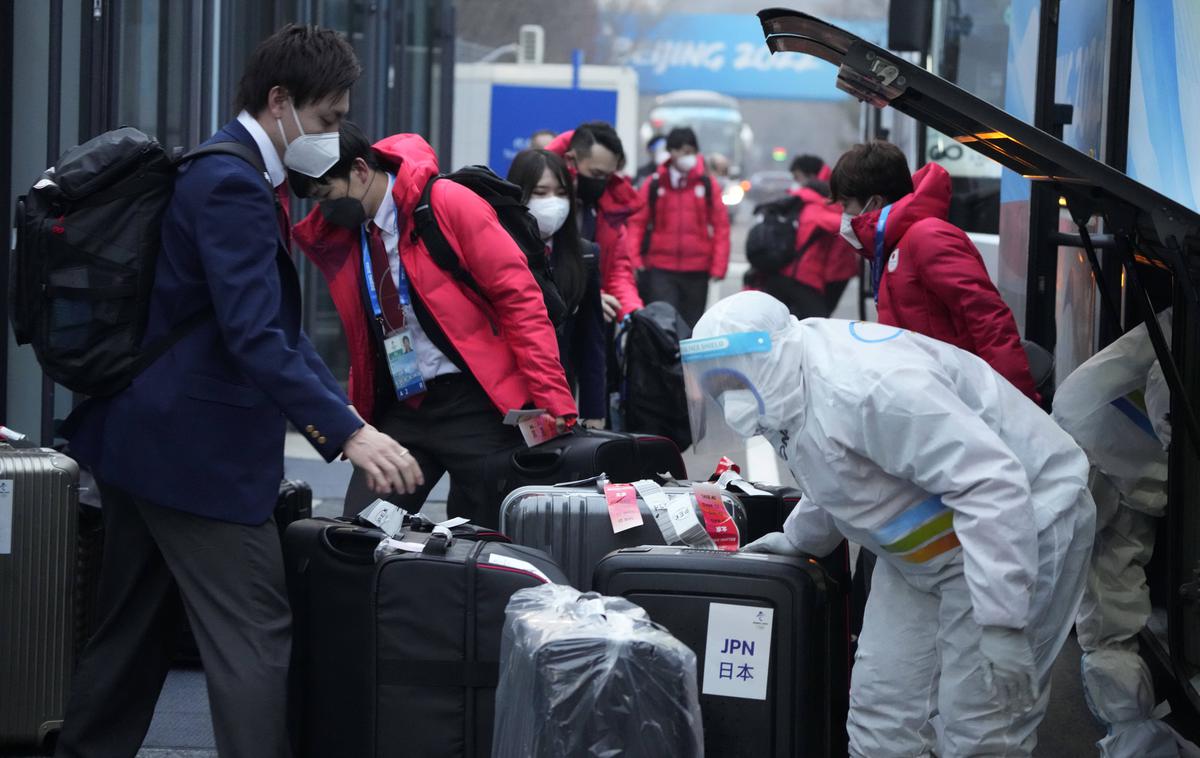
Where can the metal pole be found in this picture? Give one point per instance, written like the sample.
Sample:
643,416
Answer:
6,64
53,137
446,93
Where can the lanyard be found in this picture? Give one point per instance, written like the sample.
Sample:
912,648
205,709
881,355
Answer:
369,274
877,263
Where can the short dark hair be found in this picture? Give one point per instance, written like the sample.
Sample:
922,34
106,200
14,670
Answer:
597,132
807,164
872,168
352,145
310,62
682,136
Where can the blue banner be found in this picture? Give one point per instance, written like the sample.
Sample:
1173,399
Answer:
724,52
518,112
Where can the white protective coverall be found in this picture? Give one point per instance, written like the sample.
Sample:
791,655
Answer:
1115,405
975,501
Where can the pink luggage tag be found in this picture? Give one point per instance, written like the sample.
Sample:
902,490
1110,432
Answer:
623,508
717,521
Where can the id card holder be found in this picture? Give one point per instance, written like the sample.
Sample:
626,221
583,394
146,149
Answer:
402,363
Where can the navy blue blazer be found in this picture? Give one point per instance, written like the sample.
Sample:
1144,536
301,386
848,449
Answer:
202,429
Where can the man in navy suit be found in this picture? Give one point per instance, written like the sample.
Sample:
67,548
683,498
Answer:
189,457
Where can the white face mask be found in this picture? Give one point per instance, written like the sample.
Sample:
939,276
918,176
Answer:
550,213
685,163
310,154
847,231
741,411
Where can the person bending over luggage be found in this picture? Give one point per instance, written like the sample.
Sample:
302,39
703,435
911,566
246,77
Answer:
477,352
594,156
1116,407
926,273
549,192
974,501
682,230
190,455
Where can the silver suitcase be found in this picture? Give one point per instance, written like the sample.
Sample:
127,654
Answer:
39,621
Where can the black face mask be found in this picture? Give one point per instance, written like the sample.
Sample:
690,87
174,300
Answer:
591,188
348,212
344,211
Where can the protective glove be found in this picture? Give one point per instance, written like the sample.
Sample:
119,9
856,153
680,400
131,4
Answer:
1009,670
775,543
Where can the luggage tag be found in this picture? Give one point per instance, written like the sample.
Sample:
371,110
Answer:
659,505
385,516
516,563
687,526
535,425
733,480
717,521
623,508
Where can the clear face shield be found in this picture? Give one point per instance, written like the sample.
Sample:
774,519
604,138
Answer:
724,406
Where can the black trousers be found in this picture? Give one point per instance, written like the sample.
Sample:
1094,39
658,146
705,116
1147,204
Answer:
230,579
456,429
833,295
687,291
803,301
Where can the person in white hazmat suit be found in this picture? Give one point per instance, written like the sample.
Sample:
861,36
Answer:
1116,407
974,500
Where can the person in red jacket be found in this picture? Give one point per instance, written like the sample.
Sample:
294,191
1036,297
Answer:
607,199
682,231
476,355
928,276
839,262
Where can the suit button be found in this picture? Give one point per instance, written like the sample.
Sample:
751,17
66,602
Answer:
314,434
321,440
309,428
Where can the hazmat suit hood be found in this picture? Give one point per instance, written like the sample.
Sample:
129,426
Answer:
757,388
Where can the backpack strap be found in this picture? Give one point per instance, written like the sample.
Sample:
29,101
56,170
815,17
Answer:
652,205
425,227
153,352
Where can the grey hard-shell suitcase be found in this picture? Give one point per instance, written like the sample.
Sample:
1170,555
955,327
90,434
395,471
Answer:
40,624
572,524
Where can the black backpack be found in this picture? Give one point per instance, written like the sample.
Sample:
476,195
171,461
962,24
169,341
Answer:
88,236
505,198
771,243
651,217
652,392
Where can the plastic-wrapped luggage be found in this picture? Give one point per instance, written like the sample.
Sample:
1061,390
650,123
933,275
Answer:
587,676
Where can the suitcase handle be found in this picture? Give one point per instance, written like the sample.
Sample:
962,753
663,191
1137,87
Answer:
534,462
351,543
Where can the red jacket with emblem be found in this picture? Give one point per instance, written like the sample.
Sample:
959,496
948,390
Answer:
507,341
690,228
934,280
617,259
826,257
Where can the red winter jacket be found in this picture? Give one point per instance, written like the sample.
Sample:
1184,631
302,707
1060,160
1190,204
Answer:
934,280
507,342
617,258
691,226
827,258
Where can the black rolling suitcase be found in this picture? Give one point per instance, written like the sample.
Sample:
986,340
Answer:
572,524
40,612
585,675
399,656
748,616
583,454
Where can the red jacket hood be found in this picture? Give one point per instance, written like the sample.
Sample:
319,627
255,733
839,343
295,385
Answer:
413,162
620,200
930,197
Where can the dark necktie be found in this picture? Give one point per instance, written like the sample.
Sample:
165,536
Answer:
385,286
